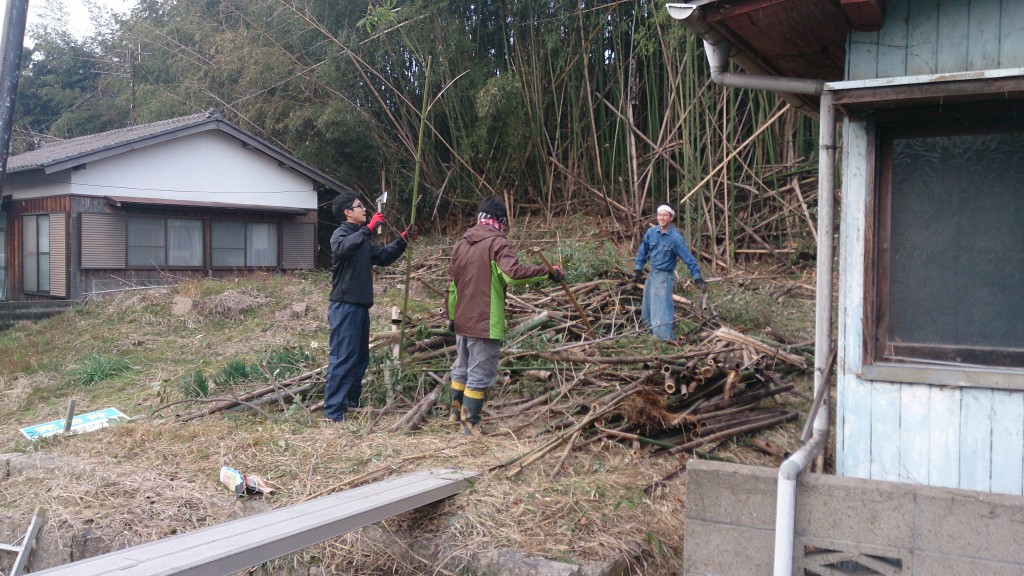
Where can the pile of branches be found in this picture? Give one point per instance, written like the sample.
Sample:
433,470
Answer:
561,377
567,372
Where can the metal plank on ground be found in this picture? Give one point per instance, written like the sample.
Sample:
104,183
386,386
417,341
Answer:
241,544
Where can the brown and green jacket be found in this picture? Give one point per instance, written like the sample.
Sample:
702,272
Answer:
483,265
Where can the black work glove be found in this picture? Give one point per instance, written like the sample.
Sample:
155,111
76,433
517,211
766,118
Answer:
638,277
451,326
700,283
556,274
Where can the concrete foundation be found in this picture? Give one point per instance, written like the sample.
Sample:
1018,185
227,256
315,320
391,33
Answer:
848,526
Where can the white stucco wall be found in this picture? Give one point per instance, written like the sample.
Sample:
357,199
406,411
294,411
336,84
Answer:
206,167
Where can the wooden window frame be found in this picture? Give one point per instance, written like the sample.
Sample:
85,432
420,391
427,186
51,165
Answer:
991,367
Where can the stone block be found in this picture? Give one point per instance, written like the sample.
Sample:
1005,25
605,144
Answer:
22,463
856,510
731,494
971,524
182,306
725,550
938,565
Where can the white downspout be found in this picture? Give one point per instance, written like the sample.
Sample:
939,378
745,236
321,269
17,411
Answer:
717,49
785,507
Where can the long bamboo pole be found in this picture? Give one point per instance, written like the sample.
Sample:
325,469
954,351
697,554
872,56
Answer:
412,215
768,124
568,292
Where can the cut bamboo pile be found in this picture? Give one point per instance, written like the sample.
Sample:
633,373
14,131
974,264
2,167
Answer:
571,386
574,387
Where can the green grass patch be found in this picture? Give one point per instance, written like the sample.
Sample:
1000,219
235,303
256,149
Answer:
97,368
235,371
194,384
285,362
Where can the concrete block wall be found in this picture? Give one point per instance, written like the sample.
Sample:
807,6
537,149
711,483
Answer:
848,526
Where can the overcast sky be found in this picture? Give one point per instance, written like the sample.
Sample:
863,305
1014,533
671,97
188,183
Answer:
79,25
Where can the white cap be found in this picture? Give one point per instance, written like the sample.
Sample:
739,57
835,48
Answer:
667,208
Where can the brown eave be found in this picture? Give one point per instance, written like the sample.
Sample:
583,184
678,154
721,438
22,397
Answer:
864,15
792,38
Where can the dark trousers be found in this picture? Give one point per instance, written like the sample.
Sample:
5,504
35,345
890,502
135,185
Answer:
348,358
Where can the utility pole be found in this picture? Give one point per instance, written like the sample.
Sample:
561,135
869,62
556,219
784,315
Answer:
130,71
10,67
131,84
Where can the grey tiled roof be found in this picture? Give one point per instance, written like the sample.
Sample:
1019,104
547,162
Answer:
66,154
64,150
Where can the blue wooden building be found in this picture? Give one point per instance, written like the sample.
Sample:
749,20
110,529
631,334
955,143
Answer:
927,99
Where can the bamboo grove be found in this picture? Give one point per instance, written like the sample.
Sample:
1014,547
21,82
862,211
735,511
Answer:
599,108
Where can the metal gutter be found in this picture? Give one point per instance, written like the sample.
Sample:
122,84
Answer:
718,51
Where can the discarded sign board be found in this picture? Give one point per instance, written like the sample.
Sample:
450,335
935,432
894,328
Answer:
81,423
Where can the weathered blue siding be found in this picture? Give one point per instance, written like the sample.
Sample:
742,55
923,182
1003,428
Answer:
947,436
939,36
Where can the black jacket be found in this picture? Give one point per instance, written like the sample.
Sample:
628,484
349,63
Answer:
352,255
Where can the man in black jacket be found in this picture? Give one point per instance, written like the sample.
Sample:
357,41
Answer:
352,258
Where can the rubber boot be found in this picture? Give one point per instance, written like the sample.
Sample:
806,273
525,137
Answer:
472,404
458,389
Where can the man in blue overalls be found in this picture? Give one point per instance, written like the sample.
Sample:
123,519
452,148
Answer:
661,246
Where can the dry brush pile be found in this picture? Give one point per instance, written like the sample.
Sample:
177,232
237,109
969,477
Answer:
577,368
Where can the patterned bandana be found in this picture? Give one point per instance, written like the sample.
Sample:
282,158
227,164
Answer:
488,220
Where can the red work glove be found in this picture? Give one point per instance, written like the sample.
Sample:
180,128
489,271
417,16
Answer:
556,274
409,233
375,221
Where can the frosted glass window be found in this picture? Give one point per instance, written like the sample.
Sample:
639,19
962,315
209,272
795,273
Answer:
172,242
244,244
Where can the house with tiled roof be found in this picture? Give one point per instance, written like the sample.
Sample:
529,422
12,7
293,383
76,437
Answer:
139,206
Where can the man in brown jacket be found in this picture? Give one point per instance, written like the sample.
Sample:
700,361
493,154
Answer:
483,264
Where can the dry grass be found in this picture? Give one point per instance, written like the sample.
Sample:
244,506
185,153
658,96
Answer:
154,477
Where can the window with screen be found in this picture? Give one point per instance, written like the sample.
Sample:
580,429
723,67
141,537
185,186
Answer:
950,246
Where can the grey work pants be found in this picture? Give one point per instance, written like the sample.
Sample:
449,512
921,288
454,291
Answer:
476,361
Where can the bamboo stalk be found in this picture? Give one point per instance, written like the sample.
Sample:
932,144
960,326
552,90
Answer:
744,429
229,402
